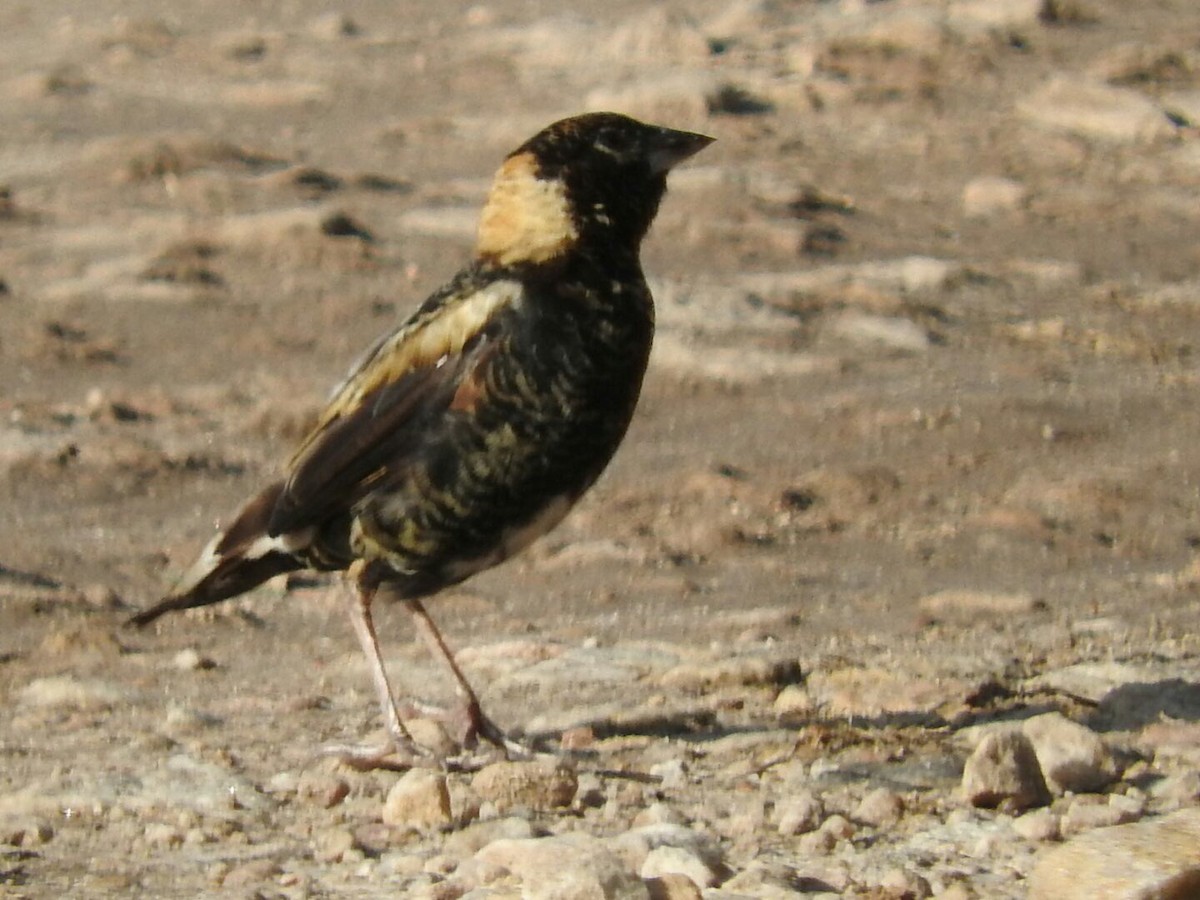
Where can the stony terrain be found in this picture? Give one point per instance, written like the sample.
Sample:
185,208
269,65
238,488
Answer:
893,590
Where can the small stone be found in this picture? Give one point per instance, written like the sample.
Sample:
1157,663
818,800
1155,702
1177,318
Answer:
667,860
1086,813
990,196
879,808
420,799
1004,770
1072,757
69,692
1096,110
326,791
673,887
190,660
563,866
635,846
794,700
800,814
332,844
894,332
247,874
1038,825
962,604
539,784
160,834
901,883
1157,859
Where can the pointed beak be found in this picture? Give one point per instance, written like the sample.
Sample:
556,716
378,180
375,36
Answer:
671,147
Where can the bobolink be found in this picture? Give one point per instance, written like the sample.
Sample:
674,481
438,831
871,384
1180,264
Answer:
472,428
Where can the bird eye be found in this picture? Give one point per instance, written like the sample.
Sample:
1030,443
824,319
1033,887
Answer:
615,141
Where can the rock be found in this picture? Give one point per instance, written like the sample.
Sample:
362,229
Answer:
1088,812
889,331
472,838
880,808
69,692
420,799
666,860
793,701
1072,757
564,867
673,887
1038,825
966,604
190,660
1004,770
539,784
800,813
875,691
996,13
1092,109
1154,860
903,883
989,196
636,845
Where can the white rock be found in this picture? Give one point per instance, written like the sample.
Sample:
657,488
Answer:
800,813
67,691
420,799
572,866
1038,825
880,807
989,196
544,783
678,861
1153,860
1004,770
1072,757
1096,110
965,603
889,331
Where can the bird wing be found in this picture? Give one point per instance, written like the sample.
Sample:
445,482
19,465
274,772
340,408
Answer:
380,415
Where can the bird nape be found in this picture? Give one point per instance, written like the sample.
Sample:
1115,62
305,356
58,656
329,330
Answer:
472,428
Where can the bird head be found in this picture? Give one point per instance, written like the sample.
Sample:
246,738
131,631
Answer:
597,178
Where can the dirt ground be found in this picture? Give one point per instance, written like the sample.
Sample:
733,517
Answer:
917,335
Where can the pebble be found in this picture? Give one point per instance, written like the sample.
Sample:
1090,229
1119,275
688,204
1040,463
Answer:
1038,825
673,887
990,196
1003,770
566,866
420,799
1071,756
1152,860
667,860
965,604
540,784
881,808
800,813
1092,109
887,331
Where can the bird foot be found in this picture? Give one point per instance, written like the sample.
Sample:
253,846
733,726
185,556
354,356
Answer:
388,755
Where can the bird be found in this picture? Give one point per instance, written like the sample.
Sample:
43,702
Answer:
471,428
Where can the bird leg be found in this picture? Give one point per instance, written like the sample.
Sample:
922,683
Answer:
361,592
471,721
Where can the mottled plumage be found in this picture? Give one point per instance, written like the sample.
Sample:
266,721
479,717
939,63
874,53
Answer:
471,429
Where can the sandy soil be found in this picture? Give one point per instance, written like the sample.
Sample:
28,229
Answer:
928,323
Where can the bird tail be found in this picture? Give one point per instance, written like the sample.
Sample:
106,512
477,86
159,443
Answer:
241,557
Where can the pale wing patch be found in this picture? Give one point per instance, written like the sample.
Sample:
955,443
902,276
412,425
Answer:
422,343
526,219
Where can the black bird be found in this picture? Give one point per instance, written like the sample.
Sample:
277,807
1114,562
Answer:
472,428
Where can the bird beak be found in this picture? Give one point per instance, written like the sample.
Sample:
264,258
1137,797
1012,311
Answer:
670,147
